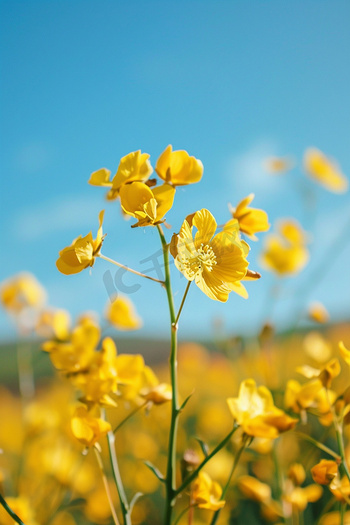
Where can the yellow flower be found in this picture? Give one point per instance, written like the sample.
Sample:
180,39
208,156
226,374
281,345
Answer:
22,291
206,493
318,313
325,171
178,168
133,167
54,323
76,353
255,412
81,253
329,371
291,230
251,220
86,428
297,473
299,497
122,315
278,164
324,472
101,377
300,397
286,253
145,204
340,488
157,394
213,263
253,489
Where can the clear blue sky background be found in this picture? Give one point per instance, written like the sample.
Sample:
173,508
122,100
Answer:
85,82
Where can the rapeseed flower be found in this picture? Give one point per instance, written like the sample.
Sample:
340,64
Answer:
22,291
254,489
86,428
206,493
325,171
133,167
178,168
76,352
121,314
299,497
324,472
82,252
251,220
213,263
325,374
54,323
147,205
255,412
285,252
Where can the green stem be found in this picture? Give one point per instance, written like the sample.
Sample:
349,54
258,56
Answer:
182,513
340,440
195,473
170,480
125,508
106,486
235,463
317,444
129,269
342,513
182,302
10,511
338,426
133,412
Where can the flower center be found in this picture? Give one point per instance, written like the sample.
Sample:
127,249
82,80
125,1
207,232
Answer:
204,257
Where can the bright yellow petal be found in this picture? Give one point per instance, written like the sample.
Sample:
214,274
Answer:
212,286
100,178
178,168
206,225
239,289
68,262
134,196
132,167
164,196
84,249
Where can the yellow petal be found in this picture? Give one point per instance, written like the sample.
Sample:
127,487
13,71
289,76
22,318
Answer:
68,262
132,167
122,315
178,168
206,225
100,178
134,196
164,196
345,353
325,171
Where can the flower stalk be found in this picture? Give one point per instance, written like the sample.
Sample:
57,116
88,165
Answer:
106,486
170,480
125,508
235,463
10,511
130,269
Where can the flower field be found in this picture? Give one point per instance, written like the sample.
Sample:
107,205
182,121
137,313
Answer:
237,429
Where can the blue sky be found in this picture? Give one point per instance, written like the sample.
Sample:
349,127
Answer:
232,82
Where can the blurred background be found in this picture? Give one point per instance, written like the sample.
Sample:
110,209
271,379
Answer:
233,83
